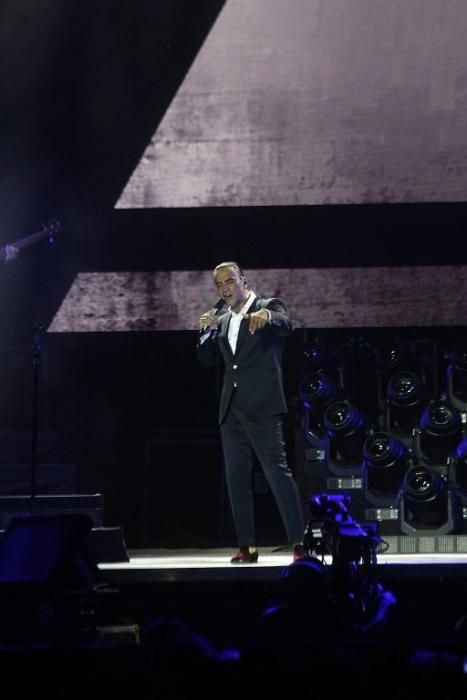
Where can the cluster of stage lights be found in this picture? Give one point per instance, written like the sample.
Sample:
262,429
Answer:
414,454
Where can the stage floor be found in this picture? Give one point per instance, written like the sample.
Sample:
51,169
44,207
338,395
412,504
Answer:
223,600
214,564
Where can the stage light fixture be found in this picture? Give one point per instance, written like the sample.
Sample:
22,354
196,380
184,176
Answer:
317,391
457,374
315,356
458,467
407,397
439,432
346,431
426,504
380,360
385,463
394,356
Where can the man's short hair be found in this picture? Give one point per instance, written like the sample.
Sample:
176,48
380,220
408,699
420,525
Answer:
233,264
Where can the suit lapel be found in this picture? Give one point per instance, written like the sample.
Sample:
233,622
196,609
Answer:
222,335
242,335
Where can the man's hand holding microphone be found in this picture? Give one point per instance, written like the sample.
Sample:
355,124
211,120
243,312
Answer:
209,320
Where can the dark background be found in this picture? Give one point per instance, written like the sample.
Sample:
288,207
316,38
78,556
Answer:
84,87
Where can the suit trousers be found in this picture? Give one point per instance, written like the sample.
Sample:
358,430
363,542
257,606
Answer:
242,436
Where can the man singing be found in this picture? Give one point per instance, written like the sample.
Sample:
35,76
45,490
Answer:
248,340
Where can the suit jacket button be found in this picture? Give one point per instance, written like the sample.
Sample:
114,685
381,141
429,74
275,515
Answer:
235,366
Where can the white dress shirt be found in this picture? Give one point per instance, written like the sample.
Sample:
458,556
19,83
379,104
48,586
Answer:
235,321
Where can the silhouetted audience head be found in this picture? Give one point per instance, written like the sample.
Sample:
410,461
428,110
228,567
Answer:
182,663
437,674
319,604
306,609
305,577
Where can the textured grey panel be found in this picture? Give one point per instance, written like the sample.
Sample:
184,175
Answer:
316,298
316,101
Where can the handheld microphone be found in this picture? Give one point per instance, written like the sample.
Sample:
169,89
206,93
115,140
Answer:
218,306
215,310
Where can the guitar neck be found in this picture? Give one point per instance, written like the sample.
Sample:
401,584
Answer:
29,240
25,242
50,231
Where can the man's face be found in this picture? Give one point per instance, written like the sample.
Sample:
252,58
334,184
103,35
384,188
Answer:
231,287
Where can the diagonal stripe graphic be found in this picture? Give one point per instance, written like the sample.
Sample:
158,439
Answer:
293,102
316,298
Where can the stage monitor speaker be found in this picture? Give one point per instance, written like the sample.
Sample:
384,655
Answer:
107,545
47,552
91,505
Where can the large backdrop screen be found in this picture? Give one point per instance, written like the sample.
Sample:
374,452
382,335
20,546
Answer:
292,102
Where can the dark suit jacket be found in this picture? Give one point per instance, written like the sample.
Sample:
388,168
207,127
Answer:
256,367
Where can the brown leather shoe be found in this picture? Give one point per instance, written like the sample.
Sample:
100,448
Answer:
244,556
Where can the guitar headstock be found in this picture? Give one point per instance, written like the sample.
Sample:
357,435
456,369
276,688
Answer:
52,229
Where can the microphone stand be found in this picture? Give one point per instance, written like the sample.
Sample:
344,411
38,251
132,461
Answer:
36,362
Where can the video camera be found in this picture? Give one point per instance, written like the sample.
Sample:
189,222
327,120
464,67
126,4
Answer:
332,531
